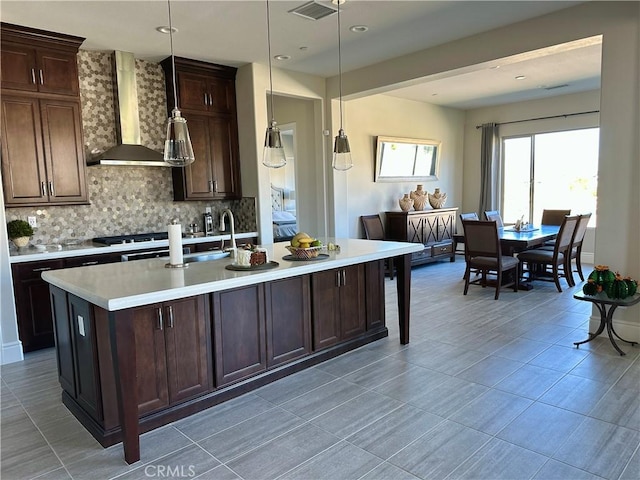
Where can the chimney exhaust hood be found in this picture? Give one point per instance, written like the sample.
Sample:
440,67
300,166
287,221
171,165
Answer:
129,150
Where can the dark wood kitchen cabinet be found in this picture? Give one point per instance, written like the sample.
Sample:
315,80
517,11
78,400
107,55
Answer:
432,228
239,333
42,153
42,143
38,61
339,305
207,100
35,323
173,352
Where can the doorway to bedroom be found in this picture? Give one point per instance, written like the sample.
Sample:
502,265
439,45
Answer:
283,189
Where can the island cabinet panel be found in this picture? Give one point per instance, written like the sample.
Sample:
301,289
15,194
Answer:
374,274
434,229
339,305
33,310
64,346
239,333
288,313
173,351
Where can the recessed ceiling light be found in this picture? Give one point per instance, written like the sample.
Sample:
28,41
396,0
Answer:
520,77
165,29
495,67
282,57
303,48
358,28
434,94
338,2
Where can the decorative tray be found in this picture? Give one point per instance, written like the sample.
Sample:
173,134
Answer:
321,256
250,268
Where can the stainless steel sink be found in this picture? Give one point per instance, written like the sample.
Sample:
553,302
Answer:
205,256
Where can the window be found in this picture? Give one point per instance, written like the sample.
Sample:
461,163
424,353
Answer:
556,170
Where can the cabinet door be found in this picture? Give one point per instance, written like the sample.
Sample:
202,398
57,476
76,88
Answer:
288,313
192,92
226,179
58,72
23,166
352,301
195,182
33,308
431,228
222,95
415,226
238,332
151,365
18,67
326,304
446,226
188,343
62,136
374,278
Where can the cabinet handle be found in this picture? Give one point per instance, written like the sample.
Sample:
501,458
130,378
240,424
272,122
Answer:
338,278
94,262
210,186
43,187
41,77
344,277
52,192
33,76
215,185
41,269
160,319
170,316
206,100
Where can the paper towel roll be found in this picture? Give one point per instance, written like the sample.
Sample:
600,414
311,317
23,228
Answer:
175,244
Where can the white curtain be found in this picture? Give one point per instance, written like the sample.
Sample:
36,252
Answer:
490,172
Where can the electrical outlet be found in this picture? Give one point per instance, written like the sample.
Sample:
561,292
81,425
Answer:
32,222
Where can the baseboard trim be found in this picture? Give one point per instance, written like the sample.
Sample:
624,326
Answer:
627,330
11,352
587,258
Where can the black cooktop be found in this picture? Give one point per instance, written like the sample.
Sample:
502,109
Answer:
138,237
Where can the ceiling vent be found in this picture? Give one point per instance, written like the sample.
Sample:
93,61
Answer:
564,85
313,11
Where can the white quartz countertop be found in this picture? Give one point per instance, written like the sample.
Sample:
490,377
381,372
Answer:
116,286
53,252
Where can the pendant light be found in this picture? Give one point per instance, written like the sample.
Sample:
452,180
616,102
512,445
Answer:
178,151
341,151
273,156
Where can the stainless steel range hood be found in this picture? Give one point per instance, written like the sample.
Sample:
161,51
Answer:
129,150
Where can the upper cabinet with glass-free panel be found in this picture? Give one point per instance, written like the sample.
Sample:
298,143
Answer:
406,159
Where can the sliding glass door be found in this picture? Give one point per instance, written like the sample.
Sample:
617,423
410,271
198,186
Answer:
557,170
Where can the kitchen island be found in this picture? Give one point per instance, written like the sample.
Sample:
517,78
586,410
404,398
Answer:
140,345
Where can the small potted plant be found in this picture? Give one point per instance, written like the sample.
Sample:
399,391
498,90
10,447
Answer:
19,232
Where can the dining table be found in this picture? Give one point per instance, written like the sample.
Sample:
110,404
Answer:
513,241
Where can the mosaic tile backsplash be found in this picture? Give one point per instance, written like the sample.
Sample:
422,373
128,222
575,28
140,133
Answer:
124,200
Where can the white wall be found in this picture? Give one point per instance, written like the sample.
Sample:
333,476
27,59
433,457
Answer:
580,102
368,117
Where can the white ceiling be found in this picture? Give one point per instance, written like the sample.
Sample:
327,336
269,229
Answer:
234,33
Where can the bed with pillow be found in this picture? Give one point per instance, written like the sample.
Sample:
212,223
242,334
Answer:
285,225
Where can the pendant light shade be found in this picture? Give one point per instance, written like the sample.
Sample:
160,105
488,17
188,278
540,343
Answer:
273,155
178,151
341,151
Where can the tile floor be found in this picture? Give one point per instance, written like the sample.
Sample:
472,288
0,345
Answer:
485,390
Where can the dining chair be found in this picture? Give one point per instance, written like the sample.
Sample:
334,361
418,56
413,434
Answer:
494,216
458,237
576,245
483,253
539,259
554,217
374,230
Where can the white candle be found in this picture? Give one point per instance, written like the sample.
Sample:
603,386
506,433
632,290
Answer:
175,244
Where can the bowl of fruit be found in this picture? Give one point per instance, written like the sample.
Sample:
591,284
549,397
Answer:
304,246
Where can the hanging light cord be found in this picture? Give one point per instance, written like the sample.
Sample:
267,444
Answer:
173,60
340,65
270,74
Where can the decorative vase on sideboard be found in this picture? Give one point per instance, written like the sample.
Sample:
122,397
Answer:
405,203
419,197
437,199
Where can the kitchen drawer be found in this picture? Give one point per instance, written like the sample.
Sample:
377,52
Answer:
421,255
442,249
33,270
91,260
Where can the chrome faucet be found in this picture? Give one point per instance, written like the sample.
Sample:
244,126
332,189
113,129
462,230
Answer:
233,248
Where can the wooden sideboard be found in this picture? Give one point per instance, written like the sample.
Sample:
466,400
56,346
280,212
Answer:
432,228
